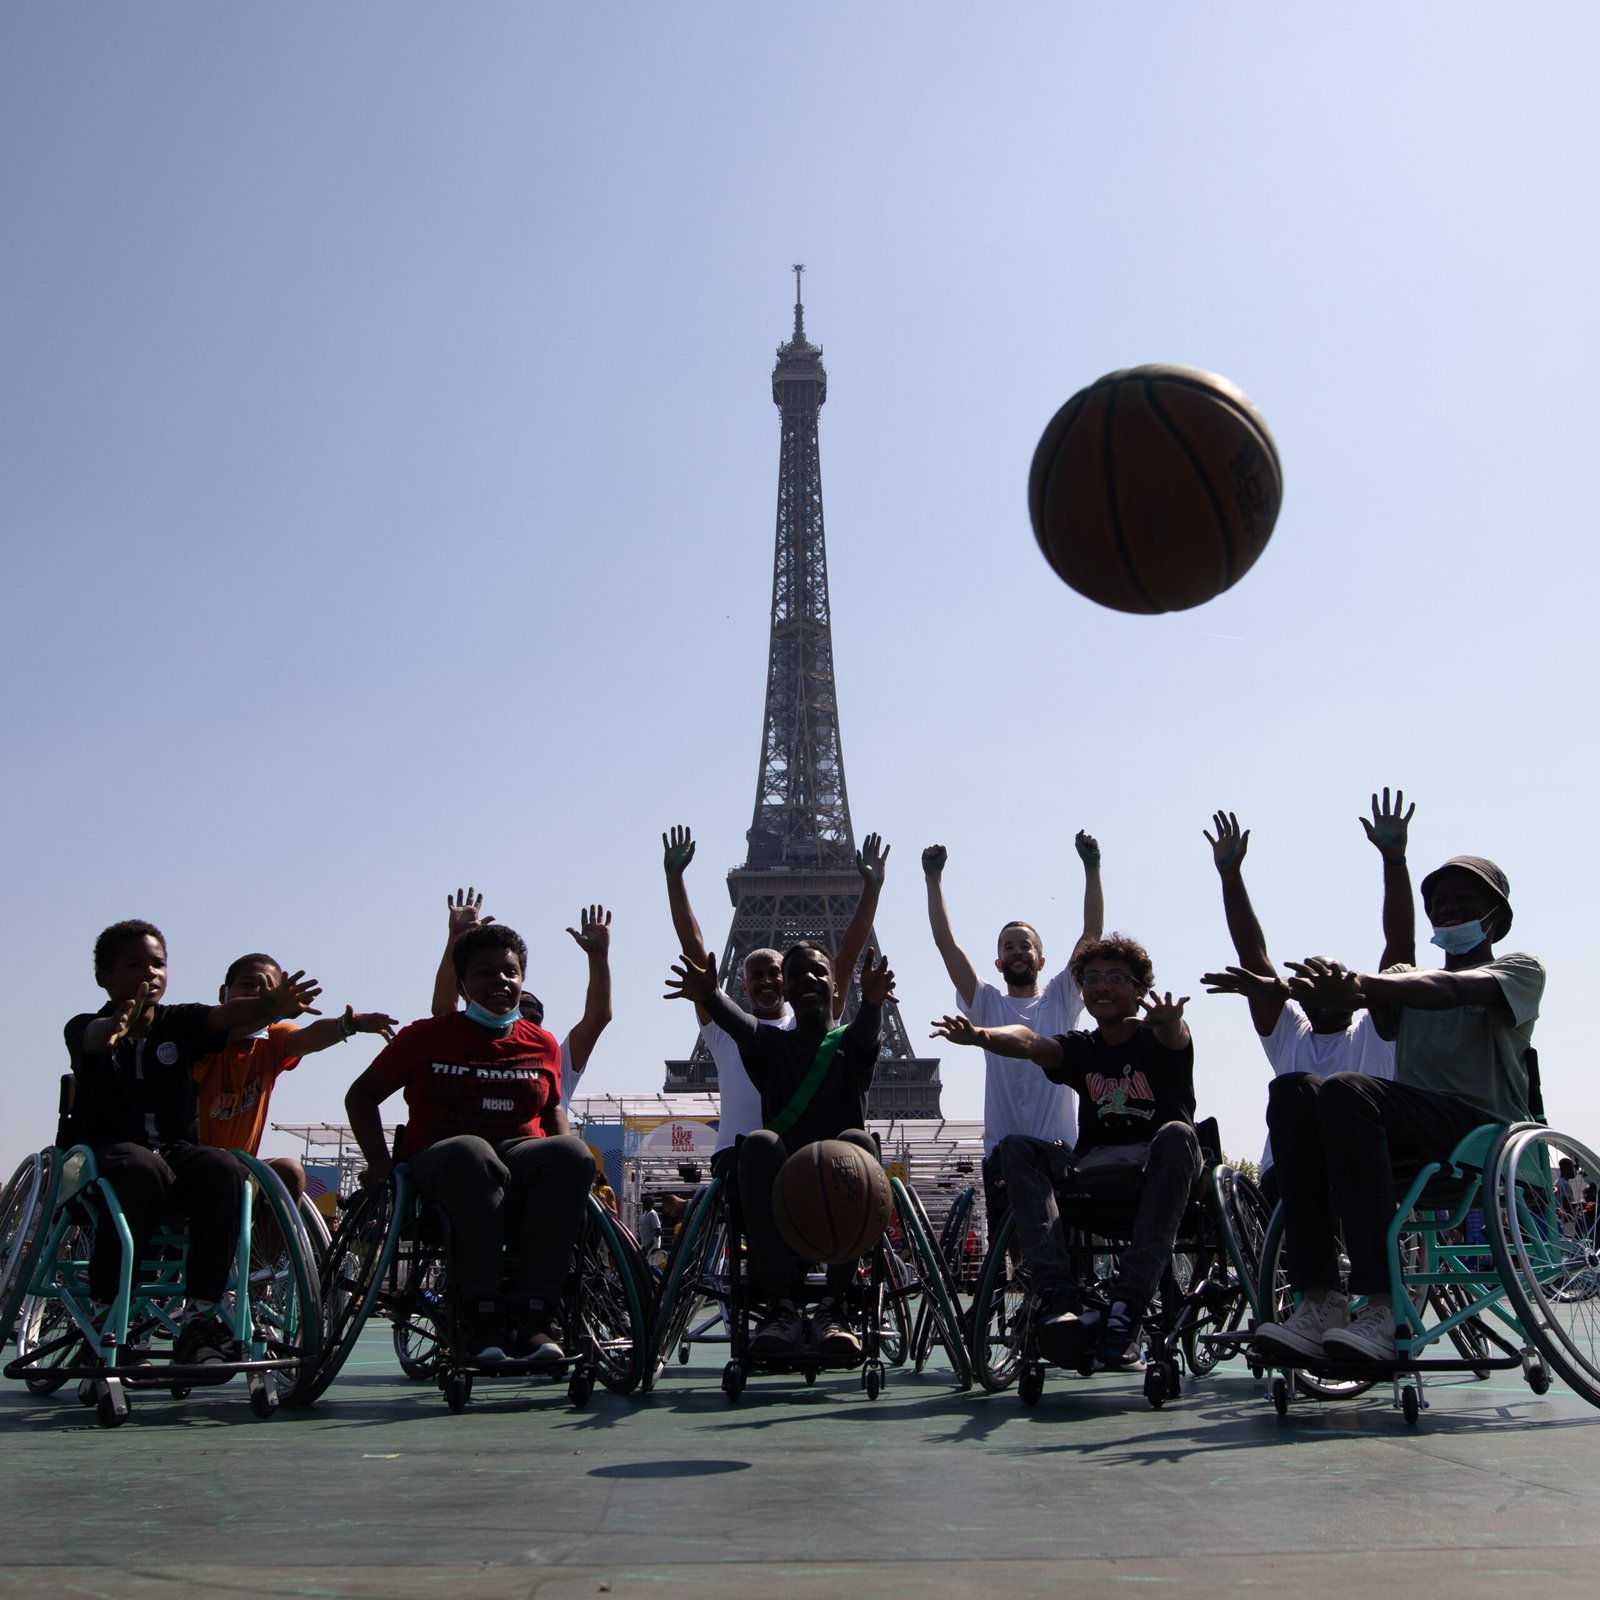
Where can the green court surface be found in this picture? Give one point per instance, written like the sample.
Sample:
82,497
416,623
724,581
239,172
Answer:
795,1491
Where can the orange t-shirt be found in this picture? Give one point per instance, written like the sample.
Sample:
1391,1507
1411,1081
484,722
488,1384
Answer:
236,1084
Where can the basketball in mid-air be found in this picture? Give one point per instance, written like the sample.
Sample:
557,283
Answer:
1155,489
831,1201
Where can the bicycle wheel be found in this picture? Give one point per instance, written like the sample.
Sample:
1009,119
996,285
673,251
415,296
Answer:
1548,1260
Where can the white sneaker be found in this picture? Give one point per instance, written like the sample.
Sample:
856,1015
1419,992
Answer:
1303,1334
1370,1337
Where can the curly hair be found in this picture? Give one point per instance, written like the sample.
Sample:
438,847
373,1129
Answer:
109,945
1114,947
486,936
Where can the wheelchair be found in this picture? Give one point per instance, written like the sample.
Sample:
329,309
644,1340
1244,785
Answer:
1529,1302
390,1257
50,1212
708,1282
1204,1309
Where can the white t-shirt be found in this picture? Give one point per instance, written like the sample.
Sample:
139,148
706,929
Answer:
1294,1046
741,1100
1017,1097
569,1078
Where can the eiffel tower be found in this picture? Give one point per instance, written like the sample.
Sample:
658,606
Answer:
799,880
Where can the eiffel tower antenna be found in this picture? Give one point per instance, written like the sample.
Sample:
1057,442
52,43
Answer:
799,879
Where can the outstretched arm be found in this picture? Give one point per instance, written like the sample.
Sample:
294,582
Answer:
871,859
1249,942
1163,1016
677,851
1329,984
696,981
1094,896
291,996
1015,1041
593,937
956,963
328,1031
464,911
1388,832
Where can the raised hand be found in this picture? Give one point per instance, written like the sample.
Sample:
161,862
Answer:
872,858
127,1016
292,995
1389,826
677,851
1326,984
1240,980
354,1021
933,860
593,933
1230,844
1161,1012
695,981
877,981
466,911
1088,848
958,1030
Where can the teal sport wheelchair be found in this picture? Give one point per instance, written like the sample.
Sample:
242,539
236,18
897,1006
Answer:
1490,1257
51,1211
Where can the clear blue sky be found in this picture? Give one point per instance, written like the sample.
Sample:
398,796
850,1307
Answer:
389,471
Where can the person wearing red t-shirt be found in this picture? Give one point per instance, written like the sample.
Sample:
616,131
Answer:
487,1140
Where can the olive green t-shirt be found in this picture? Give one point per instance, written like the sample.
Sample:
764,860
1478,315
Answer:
1473,1053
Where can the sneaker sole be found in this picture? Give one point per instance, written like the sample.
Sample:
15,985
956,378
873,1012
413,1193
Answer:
1273,1343
1337,1349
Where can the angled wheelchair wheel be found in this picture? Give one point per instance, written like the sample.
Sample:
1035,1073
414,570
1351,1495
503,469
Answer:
938,1288
608,1302
418,1318
47,1336
952,1237
701,1238
1223,1302
896,1341
360,1255
1548,1259
285,1294
1001,1311
317,1232
25,1206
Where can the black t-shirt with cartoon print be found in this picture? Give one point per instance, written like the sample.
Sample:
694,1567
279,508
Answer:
1125,1091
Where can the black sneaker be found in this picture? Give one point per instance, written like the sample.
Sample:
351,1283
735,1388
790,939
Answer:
1120,1347
204,1341
781,1334
481,1337
533,1341
1060,1328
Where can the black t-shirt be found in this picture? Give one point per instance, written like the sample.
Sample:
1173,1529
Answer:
144,1091
1125,1091
778,1061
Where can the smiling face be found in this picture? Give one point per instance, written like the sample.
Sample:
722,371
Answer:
1110,990
763,983
139,959
808,983
492,976
1456,896
1020,959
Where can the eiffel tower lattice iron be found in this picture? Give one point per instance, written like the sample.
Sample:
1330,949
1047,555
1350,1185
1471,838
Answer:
799,879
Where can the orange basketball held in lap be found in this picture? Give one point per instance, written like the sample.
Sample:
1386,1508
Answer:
1155,489
831,1201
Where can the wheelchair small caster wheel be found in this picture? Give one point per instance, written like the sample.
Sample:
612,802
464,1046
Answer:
683,1354
86,1394
1030,1385
263,1402
457,1390
1156,1390
874,1382
1539,1379
1410,1405
811,1374
1280,1395
579,1387
733,1380
113,1410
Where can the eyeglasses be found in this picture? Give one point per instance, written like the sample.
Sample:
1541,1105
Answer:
1109,980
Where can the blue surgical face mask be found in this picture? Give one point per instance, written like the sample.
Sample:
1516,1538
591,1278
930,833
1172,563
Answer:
500,1021
1459,937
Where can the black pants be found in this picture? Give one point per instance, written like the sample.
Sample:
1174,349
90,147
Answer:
777,1271
996,1203
206,1184
1334,1144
